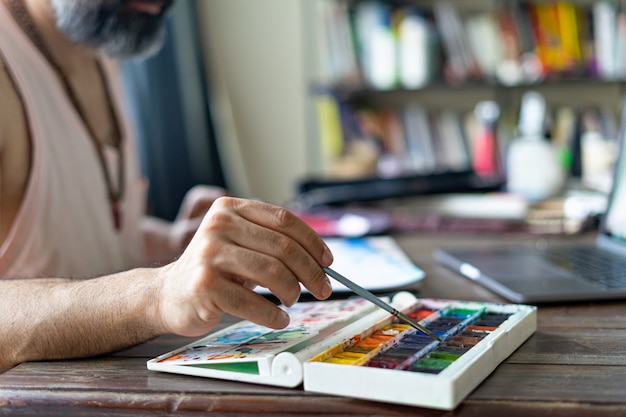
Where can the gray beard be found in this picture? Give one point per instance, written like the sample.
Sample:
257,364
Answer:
100,24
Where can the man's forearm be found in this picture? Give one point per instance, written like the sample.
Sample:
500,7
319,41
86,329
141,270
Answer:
59,318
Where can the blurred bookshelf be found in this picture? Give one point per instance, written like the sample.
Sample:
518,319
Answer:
420,97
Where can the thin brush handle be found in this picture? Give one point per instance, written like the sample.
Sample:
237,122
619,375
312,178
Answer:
358,290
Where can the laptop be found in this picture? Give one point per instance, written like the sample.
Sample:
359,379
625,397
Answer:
566,272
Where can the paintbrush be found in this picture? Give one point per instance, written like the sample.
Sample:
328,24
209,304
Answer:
358,290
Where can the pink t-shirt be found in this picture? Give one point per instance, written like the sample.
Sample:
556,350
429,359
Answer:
64,227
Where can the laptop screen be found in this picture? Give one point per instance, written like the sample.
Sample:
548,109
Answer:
615,220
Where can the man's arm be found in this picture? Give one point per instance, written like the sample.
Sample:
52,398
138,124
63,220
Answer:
239,244
60,318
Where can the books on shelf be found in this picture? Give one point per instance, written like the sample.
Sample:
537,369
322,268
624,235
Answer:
412,140
417,49
337,50
377,45
419,139
400,45
486,45
461,63
604,22
453,142
409,140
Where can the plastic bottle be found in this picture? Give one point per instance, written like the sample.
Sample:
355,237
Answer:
533,167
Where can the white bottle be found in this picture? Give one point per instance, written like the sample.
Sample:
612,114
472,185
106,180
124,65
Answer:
533,167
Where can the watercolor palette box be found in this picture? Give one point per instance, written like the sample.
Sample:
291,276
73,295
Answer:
352,348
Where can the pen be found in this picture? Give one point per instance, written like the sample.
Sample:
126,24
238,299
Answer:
358,290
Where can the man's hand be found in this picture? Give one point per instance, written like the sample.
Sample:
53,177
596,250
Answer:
195,205
241,244
165,241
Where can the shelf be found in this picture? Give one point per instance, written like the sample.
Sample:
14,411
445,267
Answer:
472,55
318,192
355,92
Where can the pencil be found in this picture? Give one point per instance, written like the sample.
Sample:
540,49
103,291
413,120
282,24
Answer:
358,290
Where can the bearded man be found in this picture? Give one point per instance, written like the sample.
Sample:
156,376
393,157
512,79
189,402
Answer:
83,271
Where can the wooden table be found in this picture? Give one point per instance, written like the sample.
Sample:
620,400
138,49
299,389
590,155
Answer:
574,365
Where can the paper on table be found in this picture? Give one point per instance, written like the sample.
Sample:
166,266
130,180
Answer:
376,263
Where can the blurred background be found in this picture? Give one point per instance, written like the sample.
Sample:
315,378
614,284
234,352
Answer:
227,98
326,102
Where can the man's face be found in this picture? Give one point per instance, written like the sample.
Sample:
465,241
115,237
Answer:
120,28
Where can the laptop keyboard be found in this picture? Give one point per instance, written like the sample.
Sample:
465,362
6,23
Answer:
594,265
